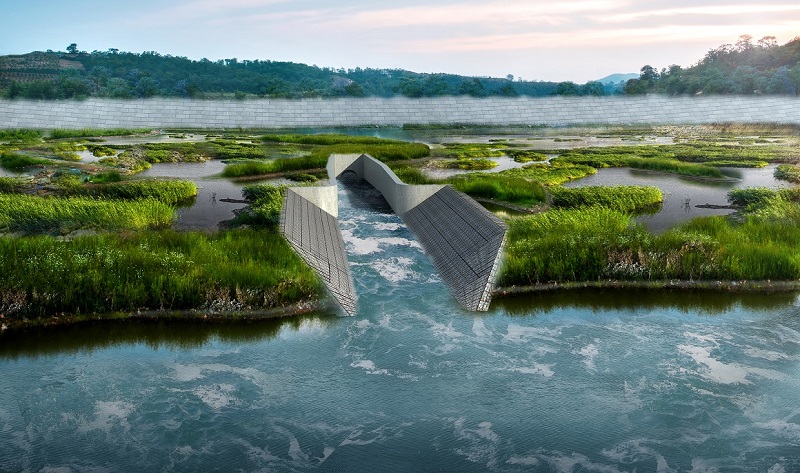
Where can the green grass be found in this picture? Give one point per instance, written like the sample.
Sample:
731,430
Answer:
32,214
621,198
265,207
12,185
658,164
255,168
59,134
555,173
21,136
472,164
17,162
327,139
168,191
166,270
106,177
525,156
788,172
469,151
514,190
598,243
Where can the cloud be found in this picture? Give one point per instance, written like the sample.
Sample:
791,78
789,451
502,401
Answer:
704,11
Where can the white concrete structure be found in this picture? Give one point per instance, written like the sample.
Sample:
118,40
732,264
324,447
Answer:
463,240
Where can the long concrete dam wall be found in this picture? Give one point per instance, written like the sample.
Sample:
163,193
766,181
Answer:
284,113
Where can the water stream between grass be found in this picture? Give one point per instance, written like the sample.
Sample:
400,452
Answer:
590,381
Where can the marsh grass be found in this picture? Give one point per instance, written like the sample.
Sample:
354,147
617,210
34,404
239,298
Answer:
59,134
555,173
465,151
168,191
12,185
621,198
525,156
318,158
474,164
16,162
33,214
165,270
514,190
265,206
788,172
22,136
598,243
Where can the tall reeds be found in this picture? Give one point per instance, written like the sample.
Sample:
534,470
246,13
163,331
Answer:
233,270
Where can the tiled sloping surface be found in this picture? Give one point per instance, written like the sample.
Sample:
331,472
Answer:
316,237
463,240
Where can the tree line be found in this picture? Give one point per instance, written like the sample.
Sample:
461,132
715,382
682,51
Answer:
747,67
117,74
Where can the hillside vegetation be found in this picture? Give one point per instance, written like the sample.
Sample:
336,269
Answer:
744,68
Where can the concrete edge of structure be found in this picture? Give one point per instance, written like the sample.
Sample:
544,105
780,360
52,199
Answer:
463,240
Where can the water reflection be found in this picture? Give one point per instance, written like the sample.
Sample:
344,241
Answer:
156,334
700,302
682,194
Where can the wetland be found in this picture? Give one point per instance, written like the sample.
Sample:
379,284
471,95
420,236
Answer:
144,297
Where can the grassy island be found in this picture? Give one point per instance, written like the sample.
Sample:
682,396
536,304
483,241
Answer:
85,240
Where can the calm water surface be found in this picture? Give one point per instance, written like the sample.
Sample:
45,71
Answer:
683,194
595,381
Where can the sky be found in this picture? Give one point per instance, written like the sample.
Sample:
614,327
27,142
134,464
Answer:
576,40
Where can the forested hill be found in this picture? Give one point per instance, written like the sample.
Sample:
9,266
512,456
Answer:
77,74
745,68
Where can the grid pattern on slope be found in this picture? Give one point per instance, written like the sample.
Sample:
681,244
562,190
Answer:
315,235
463,240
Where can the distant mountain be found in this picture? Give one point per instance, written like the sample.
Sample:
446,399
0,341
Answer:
617,78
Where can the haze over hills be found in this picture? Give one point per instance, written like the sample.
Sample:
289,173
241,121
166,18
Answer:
747,67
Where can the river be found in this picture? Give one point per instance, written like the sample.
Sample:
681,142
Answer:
589,381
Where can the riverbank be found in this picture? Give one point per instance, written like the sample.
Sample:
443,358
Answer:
195,315
762,287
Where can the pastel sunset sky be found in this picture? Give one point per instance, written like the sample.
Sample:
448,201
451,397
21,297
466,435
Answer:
576,40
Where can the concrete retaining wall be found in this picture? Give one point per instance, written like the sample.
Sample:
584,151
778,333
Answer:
274,113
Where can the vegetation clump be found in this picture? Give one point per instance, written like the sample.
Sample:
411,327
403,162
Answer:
622,198
510,189
18,162
169,191
33,214
265,206
229,271
12,185
600,243
525,155
60,134
788,172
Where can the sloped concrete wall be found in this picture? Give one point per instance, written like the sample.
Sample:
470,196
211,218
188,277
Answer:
274,113
463,240
314,233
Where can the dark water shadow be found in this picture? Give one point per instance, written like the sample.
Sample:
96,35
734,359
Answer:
699,302
156,334
362,195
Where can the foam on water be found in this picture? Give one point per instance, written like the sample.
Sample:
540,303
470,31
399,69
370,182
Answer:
414,383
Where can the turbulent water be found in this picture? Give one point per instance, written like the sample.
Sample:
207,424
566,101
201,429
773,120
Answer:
564,382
